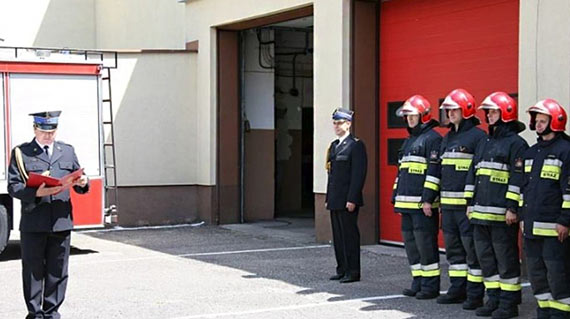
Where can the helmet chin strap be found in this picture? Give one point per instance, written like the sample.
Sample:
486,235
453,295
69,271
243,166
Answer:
547,131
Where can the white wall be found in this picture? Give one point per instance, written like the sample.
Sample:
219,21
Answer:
48,23
331,67
156,133
544,55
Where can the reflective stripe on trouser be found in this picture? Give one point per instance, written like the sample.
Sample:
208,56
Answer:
549,273
465,273
420,240
497,252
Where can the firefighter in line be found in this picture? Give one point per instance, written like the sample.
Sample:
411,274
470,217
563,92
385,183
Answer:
493,191
419,226
546,210
446,178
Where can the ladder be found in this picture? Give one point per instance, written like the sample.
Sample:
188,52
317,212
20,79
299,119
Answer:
109,154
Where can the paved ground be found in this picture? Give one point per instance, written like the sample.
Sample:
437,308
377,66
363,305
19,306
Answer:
263,270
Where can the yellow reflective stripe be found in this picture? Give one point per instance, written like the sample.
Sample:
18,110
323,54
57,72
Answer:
431,185
468,194
416,273
497,176
407,205
414,168
395,186
453,201
461,164
457,273
510,287
544,232
521,202
431,273
550,172
473,278
566,204
514,196
543,303
492,284
528,168
558,305
484,216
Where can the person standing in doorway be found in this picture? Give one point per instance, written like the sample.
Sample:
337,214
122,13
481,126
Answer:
420,216
46,220
346,166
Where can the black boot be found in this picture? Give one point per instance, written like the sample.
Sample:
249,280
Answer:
422,295
450,299
409,292
472,304
337,277
487,309
506,312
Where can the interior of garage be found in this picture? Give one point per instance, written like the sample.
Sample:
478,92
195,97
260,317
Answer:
276,77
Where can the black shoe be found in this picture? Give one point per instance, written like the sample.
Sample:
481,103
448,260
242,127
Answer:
349,278
427,295
487,309
505,313
450,299
472,304
409,292
337,277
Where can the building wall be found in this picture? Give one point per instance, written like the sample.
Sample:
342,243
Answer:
331,67
48,23
544,63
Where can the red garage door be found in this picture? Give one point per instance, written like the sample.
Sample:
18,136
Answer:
430,47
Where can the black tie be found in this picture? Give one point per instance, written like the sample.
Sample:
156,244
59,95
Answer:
46,148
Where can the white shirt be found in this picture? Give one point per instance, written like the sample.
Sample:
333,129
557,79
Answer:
50,149
342,138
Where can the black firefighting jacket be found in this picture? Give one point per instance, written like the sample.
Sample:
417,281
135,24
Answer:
413,160
546,187
495,176
447,173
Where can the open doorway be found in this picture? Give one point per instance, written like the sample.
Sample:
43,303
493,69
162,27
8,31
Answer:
277,117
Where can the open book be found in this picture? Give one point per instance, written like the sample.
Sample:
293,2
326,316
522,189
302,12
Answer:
35,179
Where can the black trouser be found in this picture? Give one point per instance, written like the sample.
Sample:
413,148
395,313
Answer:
45,258
346,240
498,253
465,273
549,275
420,240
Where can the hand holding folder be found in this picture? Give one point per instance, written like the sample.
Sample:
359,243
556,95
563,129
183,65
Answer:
35,179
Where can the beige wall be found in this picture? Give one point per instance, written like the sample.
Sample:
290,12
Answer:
48,23
331,62
136,24
155,106
544,55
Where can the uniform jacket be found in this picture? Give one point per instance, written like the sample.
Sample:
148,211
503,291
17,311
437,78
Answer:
422,146
546,187
495,176
49,213
446,175
346,174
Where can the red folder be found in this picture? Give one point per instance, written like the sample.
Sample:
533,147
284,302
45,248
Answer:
35,179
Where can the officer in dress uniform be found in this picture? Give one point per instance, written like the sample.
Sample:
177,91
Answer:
420,216
492,190
46,219
346,166
546,209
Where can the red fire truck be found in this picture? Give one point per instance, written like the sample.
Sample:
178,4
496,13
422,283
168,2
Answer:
77,82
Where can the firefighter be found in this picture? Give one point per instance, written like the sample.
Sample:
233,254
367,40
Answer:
546,209
493,190
46,222
446,178
419,226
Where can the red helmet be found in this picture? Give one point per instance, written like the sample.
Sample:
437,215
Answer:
460,99
551,108
501,101
416,105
